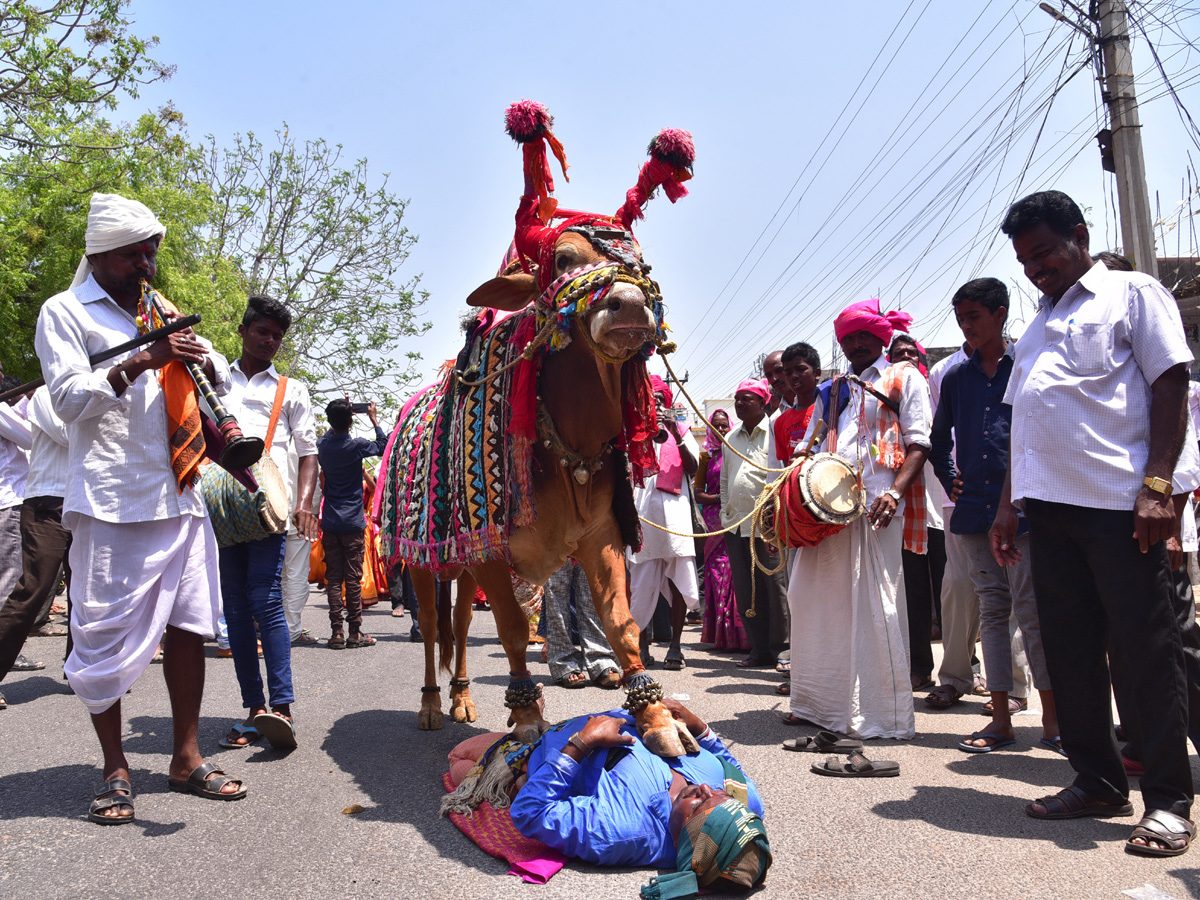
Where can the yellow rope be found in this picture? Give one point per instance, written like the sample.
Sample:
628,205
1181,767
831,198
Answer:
703,418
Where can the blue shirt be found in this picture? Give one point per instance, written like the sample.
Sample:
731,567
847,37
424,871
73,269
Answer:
972,404
341,459
616,816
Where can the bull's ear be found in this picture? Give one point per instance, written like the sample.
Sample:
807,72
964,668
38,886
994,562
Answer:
507,292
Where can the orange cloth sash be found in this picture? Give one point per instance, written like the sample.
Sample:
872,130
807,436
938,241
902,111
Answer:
185,436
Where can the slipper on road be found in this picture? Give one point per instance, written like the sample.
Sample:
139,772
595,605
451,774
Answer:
999,742
240,735
1015,705
1054,743
674,661
857,766
572,680
1073,803
823,742
278,729
943,696
206,781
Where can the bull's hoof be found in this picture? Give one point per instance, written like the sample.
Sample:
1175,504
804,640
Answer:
429,719
462,709
663,734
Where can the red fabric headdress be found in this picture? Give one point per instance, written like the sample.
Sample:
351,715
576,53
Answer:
671,156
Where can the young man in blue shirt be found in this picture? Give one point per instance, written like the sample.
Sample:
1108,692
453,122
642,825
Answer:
972,411
343,520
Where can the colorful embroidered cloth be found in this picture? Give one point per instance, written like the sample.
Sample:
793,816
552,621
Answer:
454,482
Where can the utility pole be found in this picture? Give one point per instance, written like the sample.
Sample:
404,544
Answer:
1129,165
1121,143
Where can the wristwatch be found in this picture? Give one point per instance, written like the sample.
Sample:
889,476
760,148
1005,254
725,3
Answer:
894,494
1158,485
579,744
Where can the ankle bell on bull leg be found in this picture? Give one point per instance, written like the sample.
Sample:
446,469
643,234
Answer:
640,691
523,698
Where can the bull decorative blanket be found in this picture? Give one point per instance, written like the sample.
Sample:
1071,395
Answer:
454,481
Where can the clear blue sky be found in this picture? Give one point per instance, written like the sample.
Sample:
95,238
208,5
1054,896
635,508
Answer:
901,201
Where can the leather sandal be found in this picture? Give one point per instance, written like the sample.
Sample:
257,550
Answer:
1165,828
857,766
337,641
1073,803
206,781
108,797
823,742
943,696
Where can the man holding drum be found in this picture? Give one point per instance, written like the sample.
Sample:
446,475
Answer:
143,554
846,594
253,573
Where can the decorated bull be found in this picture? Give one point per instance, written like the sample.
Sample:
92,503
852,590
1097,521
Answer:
525,453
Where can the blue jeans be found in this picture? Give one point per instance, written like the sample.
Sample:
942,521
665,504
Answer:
251,586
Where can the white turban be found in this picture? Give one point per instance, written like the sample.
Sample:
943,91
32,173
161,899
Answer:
114,221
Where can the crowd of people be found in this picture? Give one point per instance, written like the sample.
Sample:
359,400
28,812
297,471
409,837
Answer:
1032,497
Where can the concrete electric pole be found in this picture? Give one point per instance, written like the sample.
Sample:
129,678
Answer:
1121,142
1129,165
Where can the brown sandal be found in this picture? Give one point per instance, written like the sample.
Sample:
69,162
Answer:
1165,828
1073,803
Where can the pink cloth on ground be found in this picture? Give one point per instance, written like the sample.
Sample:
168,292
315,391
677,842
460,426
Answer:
492,829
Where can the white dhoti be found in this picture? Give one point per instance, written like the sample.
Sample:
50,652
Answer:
131,581
651,577
849,647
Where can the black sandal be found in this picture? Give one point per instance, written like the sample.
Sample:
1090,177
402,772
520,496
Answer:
108,797
337,641
360,640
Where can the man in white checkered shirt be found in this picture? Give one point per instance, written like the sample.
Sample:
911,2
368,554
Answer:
1099,397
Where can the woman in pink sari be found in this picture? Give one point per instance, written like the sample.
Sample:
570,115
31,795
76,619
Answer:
722,626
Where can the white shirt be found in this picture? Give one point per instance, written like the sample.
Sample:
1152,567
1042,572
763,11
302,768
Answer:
937,494
120,464
672,511
250,400
15,439
48,459
853,446
1080,389
742,483
1194,404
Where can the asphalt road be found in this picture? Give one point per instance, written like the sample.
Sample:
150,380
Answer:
950,826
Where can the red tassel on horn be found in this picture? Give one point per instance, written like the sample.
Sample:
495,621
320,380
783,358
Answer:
672,154
528,123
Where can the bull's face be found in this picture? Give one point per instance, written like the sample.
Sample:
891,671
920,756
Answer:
622,323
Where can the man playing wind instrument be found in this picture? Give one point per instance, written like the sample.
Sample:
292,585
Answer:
143,552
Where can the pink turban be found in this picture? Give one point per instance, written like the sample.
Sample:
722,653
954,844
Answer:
658,386
755,386
865,316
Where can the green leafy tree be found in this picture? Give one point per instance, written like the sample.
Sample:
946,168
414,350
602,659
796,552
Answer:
305,227
44,218
61,64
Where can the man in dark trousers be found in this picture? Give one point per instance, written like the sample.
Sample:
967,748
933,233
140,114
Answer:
1099,398
342,518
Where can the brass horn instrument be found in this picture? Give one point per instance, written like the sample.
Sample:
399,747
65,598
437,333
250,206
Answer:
240,451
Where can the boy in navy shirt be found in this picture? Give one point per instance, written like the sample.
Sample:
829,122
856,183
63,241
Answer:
973,412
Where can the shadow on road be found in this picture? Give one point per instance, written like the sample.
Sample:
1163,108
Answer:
980,814
400,768
65,792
